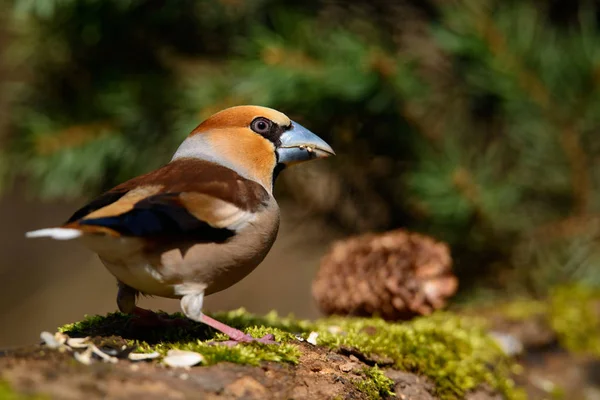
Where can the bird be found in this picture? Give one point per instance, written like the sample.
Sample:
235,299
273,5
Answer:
201,222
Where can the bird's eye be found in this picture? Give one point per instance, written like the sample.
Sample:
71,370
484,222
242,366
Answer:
261,125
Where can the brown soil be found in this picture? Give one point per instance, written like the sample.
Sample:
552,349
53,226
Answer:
320,374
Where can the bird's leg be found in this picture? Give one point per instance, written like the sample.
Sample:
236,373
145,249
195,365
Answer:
126,298
191,304
235,335
126,301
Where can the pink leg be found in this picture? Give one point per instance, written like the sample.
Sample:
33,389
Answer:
236,336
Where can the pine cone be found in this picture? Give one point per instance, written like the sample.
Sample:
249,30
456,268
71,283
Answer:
396,275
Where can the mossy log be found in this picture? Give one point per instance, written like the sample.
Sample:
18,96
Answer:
443,356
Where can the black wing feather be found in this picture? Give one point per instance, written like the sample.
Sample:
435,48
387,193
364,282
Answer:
102,201
161,215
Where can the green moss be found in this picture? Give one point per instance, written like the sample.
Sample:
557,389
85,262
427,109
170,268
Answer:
575,317
117,324
8,393
251,354
571,311
376,385
522,309
454,352
195,336
512,309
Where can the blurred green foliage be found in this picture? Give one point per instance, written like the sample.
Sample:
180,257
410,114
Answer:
472,120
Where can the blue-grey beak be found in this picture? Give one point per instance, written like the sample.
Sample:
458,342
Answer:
299,144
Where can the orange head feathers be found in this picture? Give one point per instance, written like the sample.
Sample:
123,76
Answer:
256,142
240,117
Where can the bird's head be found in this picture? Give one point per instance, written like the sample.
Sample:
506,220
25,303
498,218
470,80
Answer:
256,142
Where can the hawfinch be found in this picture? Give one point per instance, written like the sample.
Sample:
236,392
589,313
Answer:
203,221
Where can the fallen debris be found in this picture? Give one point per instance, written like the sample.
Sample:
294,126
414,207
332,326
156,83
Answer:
143,356
182,358
60,341
312,338
53,341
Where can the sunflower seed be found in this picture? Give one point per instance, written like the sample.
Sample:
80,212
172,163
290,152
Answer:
78,343
312,338
85,357
53,341
181,358
143,356
103,355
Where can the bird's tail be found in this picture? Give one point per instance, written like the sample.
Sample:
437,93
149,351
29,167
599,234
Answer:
55,233
70,231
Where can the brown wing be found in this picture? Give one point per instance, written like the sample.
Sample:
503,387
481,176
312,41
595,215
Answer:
185,197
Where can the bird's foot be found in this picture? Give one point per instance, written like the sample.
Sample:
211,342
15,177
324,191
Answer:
267,339
235,335
149,319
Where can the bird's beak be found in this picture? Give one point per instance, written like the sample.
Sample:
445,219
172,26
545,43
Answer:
299,144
